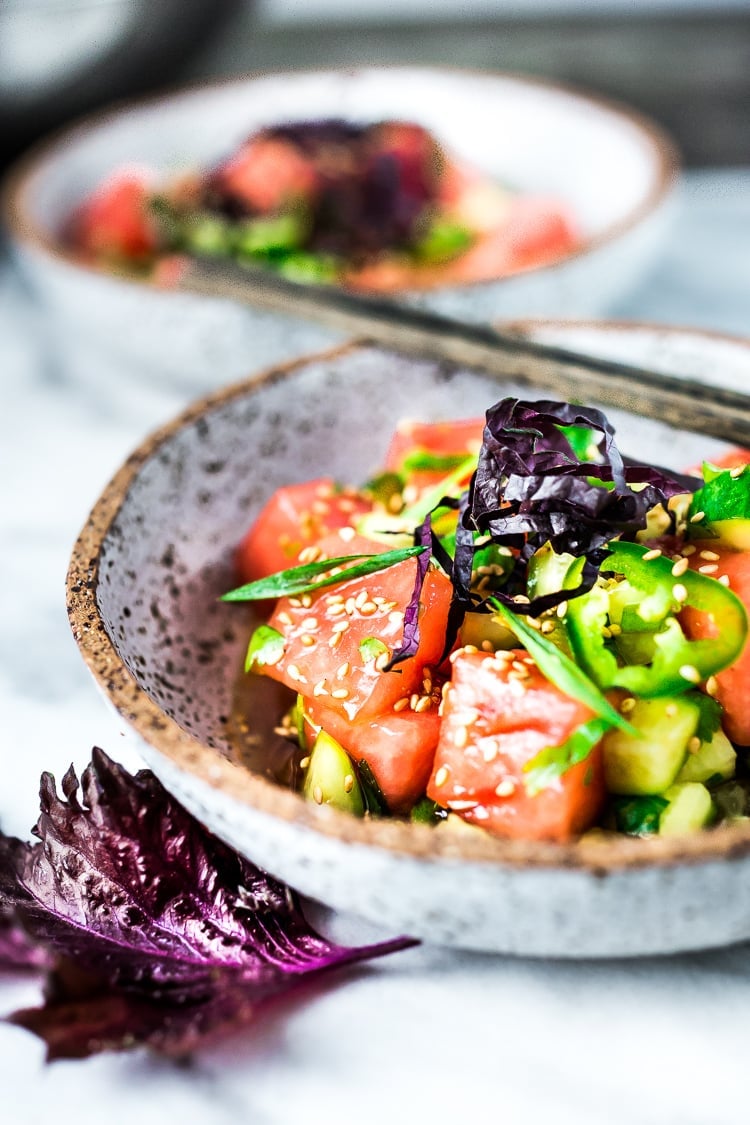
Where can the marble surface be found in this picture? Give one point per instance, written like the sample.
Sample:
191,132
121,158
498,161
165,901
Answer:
447,1036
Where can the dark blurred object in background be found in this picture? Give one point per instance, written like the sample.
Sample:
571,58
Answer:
62,58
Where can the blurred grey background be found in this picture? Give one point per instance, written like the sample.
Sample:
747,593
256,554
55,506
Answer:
684,62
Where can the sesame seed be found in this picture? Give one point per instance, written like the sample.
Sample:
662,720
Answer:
294,673
295,602
710,556
348,783
310,623
680,567
340,693
708,568
338,609
320,688
441,776
423,704
724,579
489,753
413,699
690,673
382,660
368,608
460,737
548,627
334,599
342,670
694,745
627,705
335,640
318,795
306,601
284,618
737,471
486,646
698,517
304,762
562,609
679,592
461,806
521,599
654,553
309,554
401,704
307,640
470,649
361,598
340,627
350,605
689,550
712,685
506,787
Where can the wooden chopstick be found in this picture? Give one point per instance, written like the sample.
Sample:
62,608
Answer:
682,402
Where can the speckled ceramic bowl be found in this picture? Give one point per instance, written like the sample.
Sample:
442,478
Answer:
142,589
615,169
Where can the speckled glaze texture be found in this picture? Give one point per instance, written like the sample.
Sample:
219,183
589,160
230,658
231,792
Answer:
143,587
615,169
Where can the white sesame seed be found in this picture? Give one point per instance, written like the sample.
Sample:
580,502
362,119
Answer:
460,737
679,592
689,550
562,609
712,685
694,745
737,471
698,517
320,688
340,693
724,579
680,567
368,608
441,776
348,783
710,556
318,795
284,618
690,673
708,568
307,640
423,704
654,553
340,627
304,762
506,787
401,704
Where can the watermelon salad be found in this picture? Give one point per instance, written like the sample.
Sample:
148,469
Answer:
511,629
376,207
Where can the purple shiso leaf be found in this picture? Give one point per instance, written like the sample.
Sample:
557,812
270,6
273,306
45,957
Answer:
174,926
530,488
410,641
17,950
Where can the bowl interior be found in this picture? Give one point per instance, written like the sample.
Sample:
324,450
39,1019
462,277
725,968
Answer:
157,552
608,164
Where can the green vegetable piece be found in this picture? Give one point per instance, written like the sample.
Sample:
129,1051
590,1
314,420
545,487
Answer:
427,812
384,487
690,808
331,778
547,571
308,268
715,760
305,579
443,241
266,236
649,761
638,816
732,800
266,647
560,669
551,763
678,664
208,235
583,441
370,648
375,802
297,716
724,501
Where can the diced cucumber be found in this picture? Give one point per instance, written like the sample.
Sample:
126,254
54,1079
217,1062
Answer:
733,533
690,808
331,778
384,528
546,572
713,760
638,766
476,628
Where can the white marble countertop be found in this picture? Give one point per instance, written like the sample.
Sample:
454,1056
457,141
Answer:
450,1037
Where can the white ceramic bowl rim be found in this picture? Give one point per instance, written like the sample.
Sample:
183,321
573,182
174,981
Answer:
142,713
18,213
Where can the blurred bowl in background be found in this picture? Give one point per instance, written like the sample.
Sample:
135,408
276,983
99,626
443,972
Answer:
614,169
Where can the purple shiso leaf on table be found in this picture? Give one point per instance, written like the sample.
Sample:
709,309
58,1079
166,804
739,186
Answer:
163,934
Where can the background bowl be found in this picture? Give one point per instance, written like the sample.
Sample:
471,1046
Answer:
615,169
143,586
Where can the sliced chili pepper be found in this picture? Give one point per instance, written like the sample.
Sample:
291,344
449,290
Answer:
663,660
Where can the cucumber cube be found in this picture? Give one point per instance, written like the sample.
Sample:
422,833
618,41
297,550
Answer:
331,778
714,761
690,808
650,763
